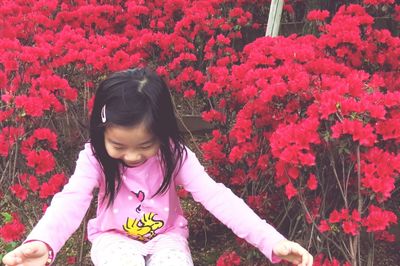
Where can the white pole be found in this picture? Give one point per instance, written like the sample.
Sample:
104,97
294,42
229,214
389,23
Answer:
274,18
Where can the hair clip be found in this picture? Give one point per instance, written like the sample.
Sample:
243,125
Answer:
103,114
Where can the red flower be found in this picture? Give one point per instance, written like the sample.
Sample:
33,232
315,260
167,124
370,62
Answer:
71,260
335,217
228,259
182,193
293,172
44,207
189,94
324,226
48,135
47,190
350,227
256,202
319,15
378,2
288,8
382,185
239,177
19,191
33,183
57,180
379,169
8,136
378,219
355,216
213,116
290,191
33,106
396,15
212,89
389,129
13,230
312,182
221,39
52,186
385,236
42,161
42,138
363,134
4,115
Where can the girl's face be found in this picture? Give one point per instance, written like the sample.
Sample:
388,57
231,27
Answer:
132,145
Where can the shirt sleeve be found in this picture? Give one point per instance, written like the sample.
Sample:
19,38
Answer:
69,206
227,207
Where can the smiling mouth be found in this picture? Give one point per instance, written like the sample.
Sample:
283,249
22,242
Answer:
133,164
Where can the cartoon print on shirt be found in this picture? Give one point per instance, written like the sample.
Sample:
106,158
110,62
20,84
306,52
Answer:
140,196
144,228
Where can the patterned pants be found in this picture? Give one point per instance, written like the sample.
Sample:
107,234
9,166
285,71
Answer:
115,250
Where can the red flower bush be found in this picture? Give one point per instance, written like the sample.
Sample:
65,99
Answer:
321,107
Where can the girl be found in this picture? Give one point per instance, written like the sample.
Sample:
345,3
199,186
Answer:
136,157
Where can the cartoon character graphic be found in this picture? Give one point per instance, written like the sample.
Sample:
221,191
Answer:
144,228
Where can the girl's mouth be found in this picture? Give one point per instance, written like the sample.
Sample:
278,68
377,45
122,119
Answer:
131,165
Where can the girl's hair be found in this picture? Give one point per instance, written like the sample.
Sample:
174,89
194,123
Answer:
129,98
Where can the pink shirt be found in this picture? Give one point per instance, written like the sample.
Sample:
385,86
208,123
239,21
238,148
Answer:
137,214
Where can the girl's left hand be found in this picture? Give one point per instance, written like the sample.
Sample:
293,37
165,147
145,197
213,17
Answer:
293,252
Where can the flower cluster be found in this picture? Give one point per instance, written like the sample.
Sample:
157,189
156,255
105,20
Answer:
12,230
318,15
228,259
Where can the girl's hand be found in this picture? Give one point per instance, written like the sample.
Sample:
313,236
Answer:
33,253
293,252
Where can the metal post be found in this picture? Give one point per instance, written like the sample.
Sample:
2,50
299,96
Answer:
274,18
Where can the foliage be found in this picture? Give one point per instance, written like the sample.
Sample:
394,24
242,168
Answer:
307,127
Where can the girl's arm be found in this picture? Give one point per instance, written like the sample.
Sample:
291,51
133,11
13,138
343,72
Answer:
229,209
68,207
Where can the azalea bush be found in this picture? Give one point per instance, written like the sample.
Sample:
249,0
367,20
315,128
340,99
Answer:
306,128
317,118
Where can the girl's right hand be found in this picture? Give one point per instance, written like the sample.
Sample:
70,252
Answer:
33,253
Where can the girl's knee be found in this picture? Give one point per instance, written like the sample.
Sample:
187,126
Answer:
111,249
170,257
124,260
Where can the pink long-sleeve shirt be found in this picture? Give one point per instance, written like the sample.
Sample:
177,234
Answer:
135,213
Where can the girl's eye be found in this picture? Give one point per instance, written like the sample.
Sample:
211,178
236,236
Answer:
147,147
118,148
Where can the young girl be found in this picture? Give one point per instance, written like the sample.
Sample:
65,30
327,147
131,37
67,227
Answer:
136,157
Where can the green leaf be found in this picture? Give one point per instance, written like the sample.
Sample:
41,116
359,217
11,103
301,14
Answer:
10,246
6,217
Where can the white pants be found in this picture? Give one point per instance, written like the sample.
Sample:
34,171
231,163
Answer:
118,250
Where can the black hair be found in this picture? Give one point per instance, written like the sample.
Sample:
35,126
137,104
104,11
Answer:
129,98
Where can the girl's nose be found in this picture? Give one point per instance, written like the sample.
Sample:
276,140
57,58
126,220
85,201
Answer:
133,157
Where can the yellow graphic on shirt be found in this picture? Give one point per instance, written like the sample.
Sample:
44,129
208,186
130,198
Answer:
143,229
